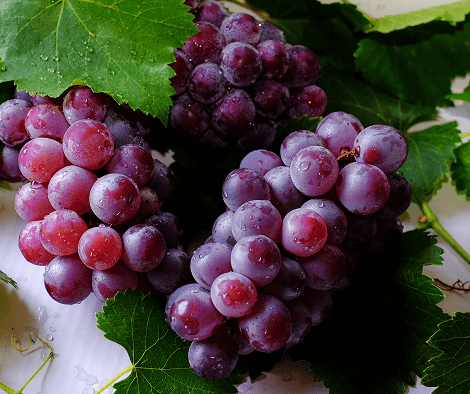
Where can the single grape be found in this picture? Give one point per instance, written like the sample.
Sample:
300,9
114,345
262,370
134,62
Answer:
271,32
46,120
124,131
170,226
271,98
162,180
244,346
334,217
88,143
261,161
399,198
114,198
210,11
31,201
172,273
268,326
240,27
314,170
30,245
338,130
319,304
284,195
188,117
12,115
274,58
258,258
67,279
289,283
209,261
149,206
362,188
382,146
222,229
304,232
21,94
9,168
234,113
61,231
81,102
241,63
204,46
143,247
69,188
215,357
233,294
301,322
40,158
133,161
106,283
243,185
100,247
295,141
260,135
190,287
257,217
207,83
304,67
310,100
182,67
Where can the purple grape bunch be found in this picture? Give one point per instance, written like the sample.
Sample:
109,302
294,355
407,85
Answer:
91,196
237,78
295,227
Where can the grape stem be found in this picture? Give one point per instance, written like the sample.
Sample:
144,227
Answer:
441,231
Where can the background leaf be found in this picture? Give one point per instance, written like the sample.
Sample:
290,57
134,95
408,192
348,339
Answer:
450,370
121,48
460,169
5,278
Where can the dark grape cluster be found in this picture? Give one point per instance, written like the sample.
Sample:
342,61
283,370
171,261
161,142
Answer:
237,78
91,196
295,227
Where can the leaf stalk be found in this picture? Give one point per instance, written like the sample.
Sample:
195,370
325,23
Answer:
118,375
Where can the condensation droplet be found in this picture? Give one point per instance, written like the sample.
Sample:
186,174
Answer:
286,377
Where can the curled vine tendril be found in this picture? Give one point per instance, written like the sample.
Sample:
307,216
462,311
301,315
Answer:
458,285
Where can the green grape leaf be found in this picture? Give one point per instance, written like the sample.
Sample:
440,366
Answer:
121,48
5,278
460,169
374,339
464,96
452,13
400,62
159,357
430,153
450,370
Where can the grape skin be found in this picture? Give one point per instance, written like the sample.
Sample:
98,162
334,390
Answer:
188,117
210,11
183,68
271,98
222,229
32,202
12,115
81,102
9,168
289,283
46,120
30,245
106,283
274,58
204,46
100,247
309,100
241,63
207,83
295,141
170,226
240,27
304,67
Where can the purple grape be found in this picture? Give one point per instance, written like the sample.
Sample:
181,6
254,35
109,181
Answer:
241,63
12,116
22,95
69,188
190,287
319,303
172,273
192,3
162,180
304,67
149,206
46,120
234,113
338,131
304,232
115,198
124,131
222,229
215,357
81,102
274,58
399,198
382,146
389,233
67,279
240,27
192,314
244,346
108,282
30,245
362,188
310,101
335,219
37,99
210,140
170,226
261,161
243,185
314,170
204,46
271,32
31,202
9,168
188,117
100,247
211,11
284,195
295,141
257,217
289,283
233,294
182,67
271,98
260,135
209,261
269,325
133,161
207,83
361,229
143,247
258,258
301,322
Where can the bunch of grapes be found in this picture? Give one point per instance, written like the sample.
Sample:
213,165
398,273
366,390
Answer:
237,78
92,197
294,229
